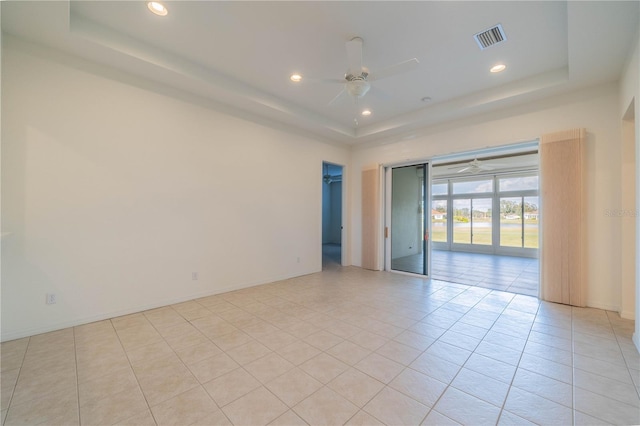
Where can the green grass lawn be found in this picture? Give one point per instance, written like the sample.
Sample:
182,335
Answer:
509,237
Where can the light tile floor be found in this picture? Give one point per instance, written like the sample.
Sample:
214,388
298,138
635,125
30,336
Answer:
344,346
509,273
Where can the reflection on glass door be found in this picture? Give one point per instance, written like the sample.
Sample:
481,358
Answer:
409,227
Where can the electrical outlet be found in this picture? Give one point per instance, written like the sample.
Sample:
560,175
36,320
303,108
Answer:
194,276
51,299
297,260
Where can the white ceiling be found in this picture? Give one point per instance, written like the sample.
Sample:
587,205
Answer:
240,54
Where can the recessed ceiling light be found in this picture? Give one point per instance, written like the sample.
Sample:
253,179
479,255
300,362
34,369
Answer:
157,8
498,68
366,112
296,78
426,99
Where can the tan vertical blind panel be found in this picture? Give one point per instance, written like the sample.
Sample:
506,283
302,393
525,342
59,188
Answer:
371,218
562,158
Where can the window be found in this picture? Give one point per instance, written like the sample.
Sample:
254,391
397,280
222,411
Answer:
473,187
440,188
517,183
488,213
439,221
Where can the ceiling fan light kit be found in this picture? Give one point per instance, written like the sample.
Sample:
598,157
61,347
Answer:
357,80
358,88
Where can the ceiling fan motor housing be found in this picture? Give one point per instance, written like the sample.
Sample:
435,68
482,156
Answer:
358,88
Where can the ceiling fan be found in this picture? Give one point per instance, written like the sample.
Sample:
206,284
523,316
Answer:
473,166
357,80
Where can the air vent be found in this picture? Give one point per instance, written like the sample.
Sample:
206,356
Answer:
490,37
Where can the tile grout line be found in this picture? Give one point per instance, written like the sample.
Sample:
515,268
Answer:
17,379
324,385
182,362
624,357
597,359
132,369
474,351
370,303
462,366
502,409
75,359
263,385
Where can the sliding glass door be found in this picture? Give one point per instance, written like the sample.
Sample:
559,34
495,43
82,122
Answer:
408,218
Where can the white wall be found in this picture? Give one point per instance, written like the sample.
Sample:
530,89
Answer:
113,195
594,109
630,93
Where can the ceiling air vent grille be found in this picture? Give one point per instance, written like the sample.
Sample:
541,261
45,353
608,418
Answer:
490,37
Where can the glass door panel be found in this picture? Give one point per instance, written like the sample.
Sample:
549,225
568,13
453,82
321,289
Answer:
511,222
408,224
462,221
481,221
531,222
439,221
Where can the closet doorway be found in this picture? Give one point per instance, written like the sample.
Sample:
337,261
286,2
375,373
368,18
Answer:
331,215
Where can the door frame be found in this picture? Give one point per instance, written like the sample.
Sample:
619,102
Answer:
387,200
344,252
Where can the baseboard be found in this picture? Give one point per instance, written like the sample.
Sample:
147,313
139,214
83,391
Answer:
603,306
630,315
135,309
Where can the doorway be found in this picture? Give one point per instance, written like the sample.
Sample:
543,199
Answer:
485,218
407,219
331,215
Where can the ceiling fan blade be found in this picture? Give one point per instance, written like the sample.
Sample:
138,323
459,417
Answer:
354,56
486,165
464,169
338,96
396,69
